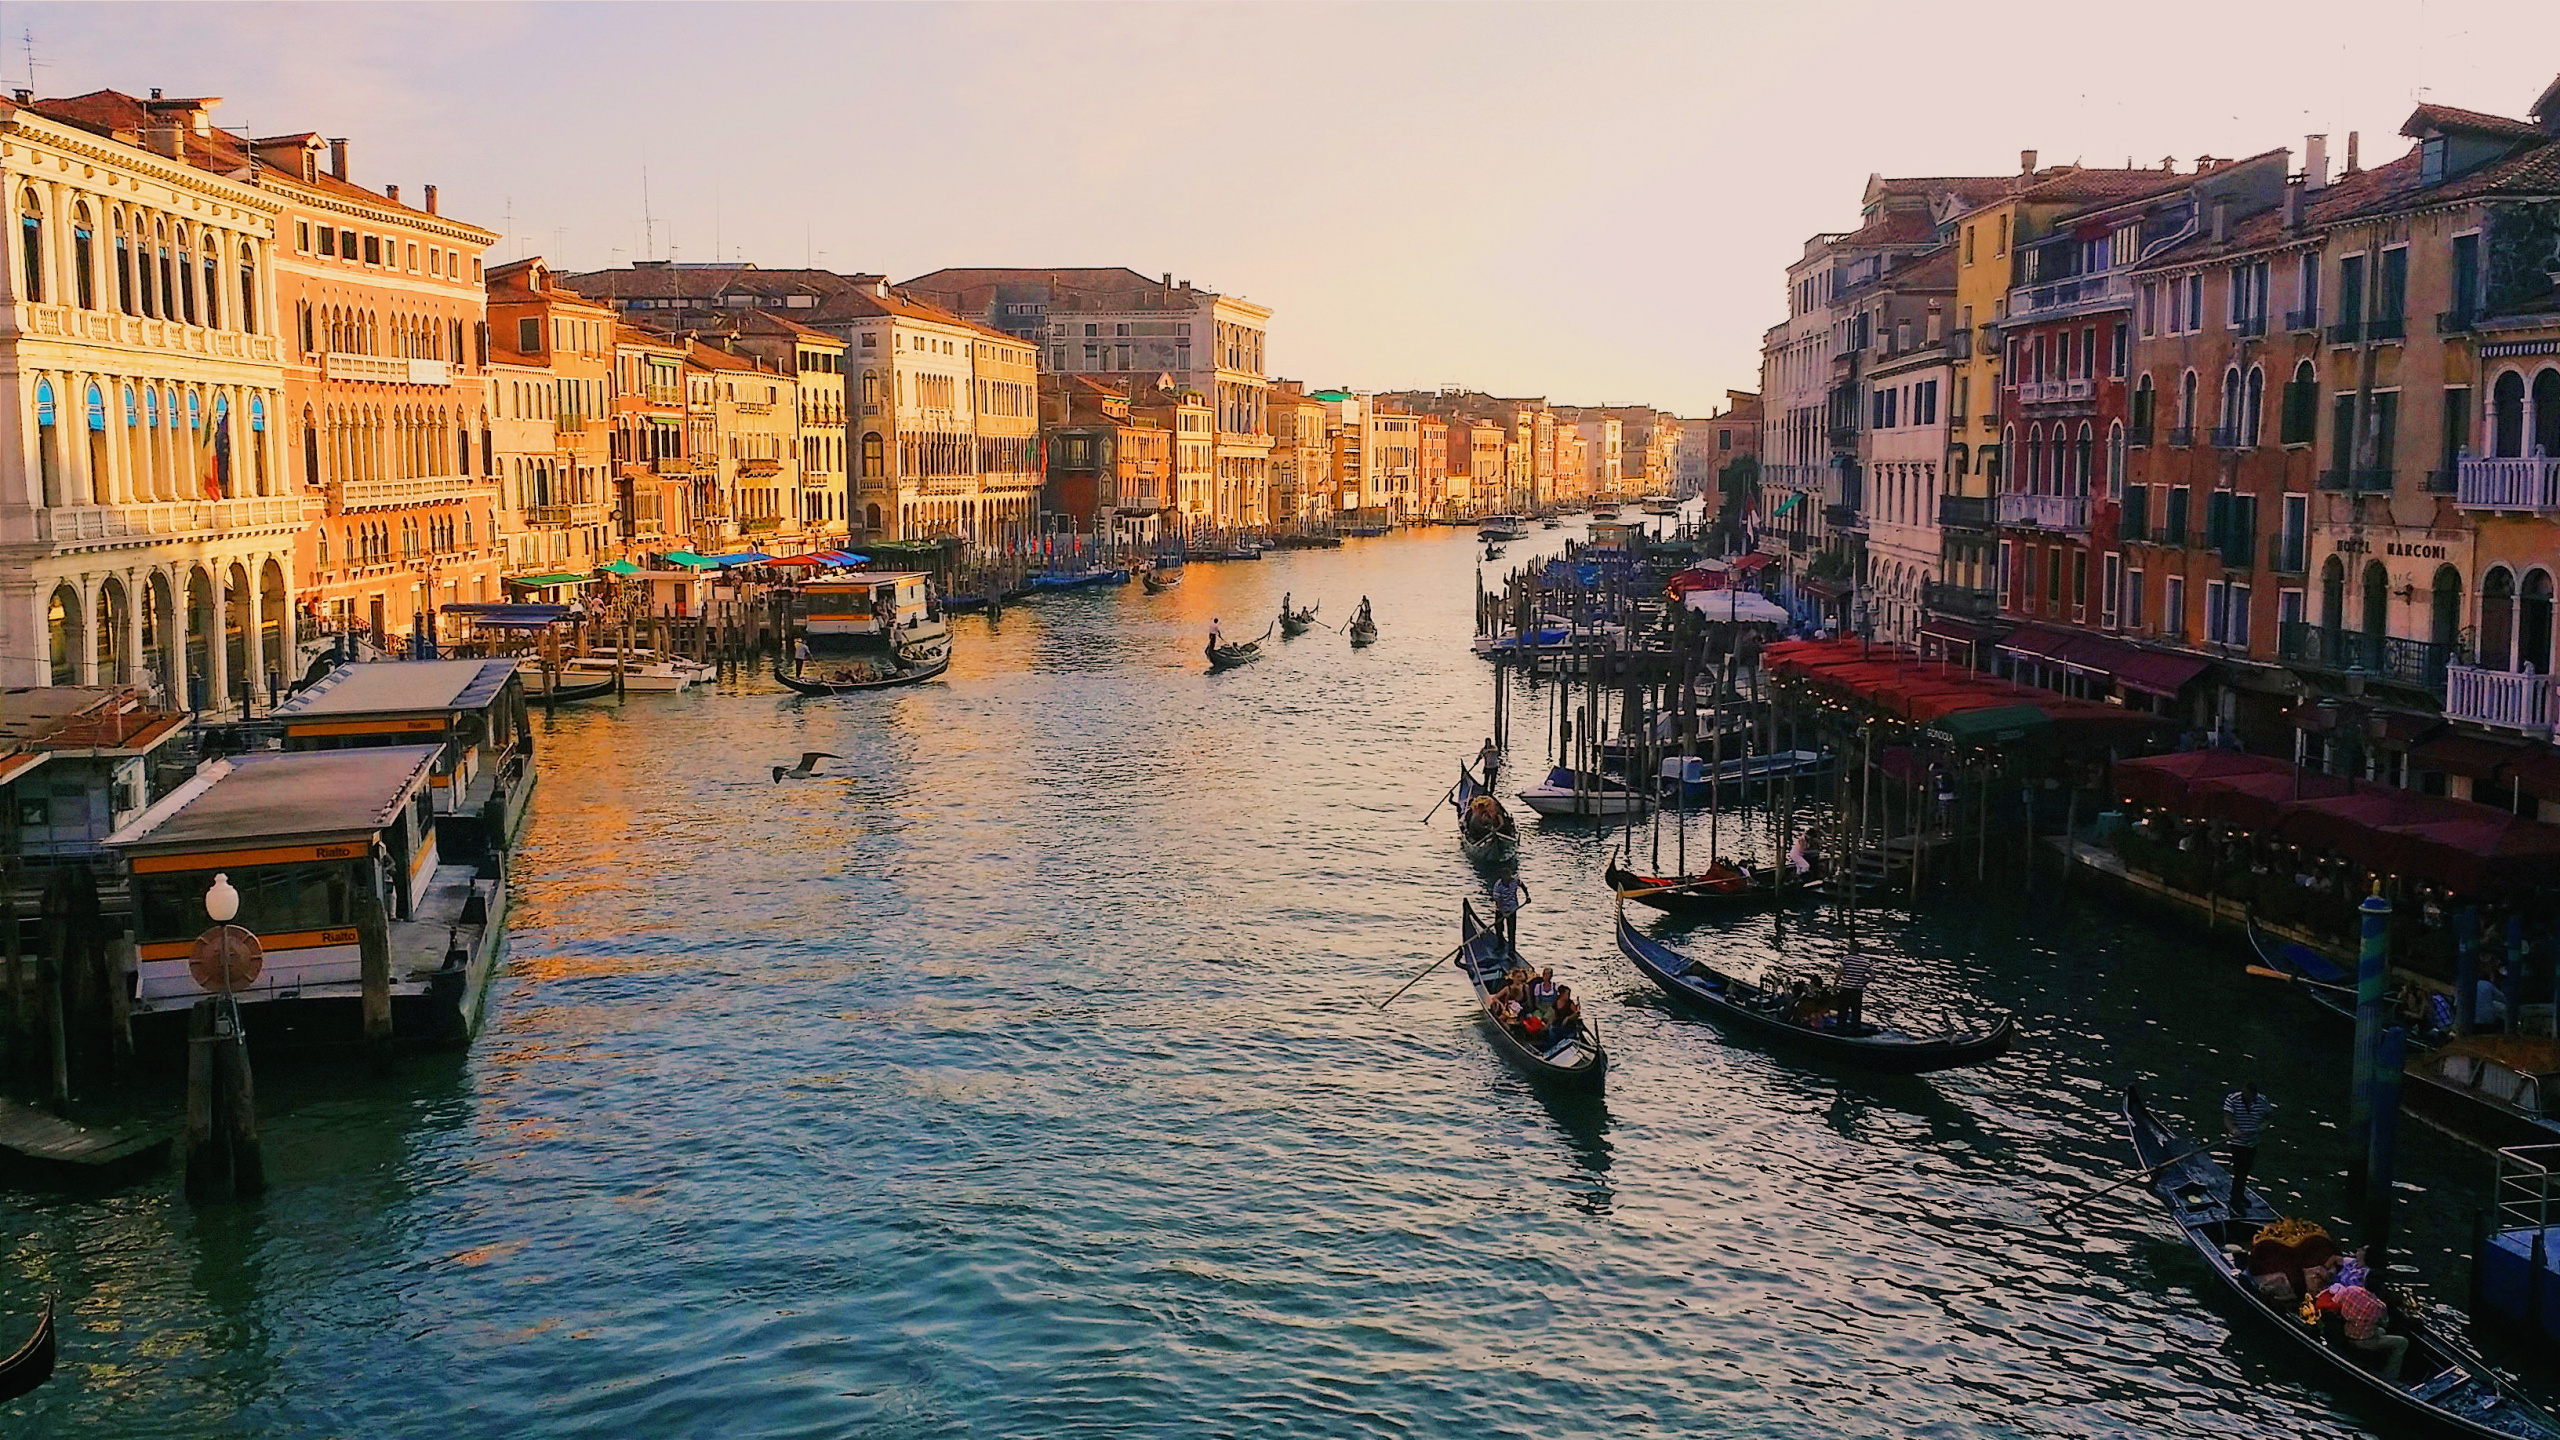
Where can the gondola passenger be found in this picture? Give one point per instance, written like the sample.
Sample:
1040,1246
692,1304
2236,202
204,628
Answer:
1568,1015
2364,1318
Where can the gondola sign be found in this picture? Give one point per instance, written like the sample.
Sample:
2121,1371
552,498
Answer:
225,957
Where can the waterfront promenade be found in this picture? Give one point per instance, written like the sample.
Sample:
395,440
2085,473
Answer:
1025,1081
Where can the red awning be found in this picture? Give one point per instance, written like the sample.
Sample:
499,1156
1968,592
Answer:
2168,780
2481,849
2473,757
1755,560
2256,802
2039,642
2538,777
2155,672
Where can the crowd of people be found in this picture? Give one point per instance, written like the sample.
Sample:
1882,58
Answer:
1532,1006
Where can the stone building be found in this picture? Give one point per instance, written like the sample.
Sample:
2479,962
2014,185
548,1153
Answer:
551,382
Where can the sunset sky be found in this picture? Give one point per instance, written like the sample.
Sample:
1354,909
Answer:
1591,202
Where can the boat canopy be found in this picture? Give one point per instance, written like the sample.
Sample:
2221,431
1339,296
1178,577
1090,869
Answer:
497,615
545,582
234,811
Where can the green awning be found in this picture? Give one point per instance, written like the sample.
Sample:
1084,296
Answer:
1787,504
1998,725
691,561
620,567
545,582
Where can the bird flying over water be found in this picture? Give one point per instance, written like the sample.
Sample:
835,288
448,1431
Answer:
807,767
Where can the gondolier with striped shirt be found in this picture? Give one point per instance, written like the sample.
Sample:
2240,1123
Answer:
2244,1120
1508,896
1855,971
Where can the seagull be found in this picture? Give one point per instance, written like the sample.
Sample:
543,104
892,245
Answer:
807,767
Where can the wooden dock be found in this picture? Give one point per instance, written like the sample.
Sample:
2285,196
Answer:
36,1147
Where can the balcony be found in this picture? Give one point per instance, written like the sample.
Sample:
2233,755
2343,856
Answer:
2066,297
376,494
2438,482
2066,513
2499,698
1964,512
2304,322
1989,420
1960,344
2182,434
550,514
66,322
2346,332
2138,436
2526,484
2289,553
1960,602
2387,327
383,370
2238,552
2334,478
1843,517
2373,478
170,520
2250,326
2456,322
1844,435
2225,437
2413,664
2082,389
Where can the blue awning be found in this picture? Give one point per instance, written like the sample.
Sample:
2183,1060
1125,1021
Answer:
846,557
750,557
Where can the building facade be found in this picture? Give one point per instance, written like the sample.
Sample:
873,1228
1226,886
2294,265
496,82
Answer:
551,379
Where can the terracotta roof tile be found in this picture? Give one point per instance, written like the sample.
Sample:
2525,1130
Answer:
2446,117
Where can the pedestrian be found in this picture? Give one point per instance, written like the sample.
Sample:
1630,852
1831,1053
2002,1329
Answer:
2244,1120
1508,896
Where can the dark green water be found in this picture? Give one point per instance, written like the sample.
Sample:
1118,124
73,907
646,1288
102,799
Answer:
1025,1082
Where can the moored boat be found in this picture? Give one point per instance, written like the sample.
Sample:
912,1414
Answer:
641,671
1578,1062
1568,794
546,690
1486,831
2442,1387
1693,777
1723,888
872,612
1502,527
850,680
1766,1010
2495,1091
1160,577
31,1364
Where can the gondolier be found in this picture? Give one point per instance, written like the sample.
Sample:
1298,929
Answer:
1508,896
2244,1120
1855,971
1217,637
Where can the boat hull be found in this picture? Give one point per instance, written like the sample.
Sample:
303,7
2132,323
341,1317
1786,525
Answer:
1759,892
1674,974
1556,804
915,676
1480,951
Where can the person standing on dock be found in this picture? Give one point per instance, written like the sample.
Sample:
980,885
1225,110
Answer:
1508,896
2244,1120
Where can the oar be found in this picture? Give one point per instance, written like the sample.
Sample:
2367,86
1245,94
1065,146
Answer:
2264,973
1418,974
1683,885
2055,1214
1445,797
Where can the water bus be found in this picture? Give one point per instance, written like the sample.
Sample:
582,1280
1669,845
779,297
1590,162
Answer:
472,711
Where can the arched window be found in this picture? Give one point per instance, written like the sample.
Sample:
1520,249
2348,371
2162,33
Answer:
248,316
2377,599
84,260
221,486
2506,430
2333,594
2230,406
873,457
31,249
2115,458
186,308
258,444
2253,405
2444,613
48,443
2546,412
168,276
2034,477
2533,624
2187,403
2080,459
62,635
124,266
2498,618
212,281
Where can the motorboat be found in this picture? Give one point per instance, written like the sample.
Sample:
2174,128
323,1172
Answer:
641,670
1570,794
1503,527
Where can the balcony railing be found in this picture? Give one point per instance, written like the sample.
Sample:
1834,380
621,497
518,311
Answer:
550,514
72,323
2346,332
1962,602
373,494
2456,322
2373,477
2137,436
2036,301
1960,344
2334,478
2182,434
2531,483
172,519
2250,325
1964,512
2238,552
2226,437
2499,698
2045,512
2439,482
1842,517
2415,664
2387,327
2081,389
2302,320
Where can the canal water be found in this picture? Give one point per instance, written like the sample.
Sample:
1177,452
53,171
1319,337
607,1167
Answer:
1021,1076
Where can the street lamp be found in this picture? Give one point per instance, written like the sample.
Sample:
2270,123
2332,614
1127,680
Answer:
221,902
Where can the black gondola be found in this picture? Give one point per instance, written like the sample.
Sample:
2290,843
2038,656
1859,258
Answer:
2315,975
31,1364
1363,632
939,661
1294,623
1740,1005
1227,657
563,694
2444,1389
1579,1063
1485,832
1722,890
1160,578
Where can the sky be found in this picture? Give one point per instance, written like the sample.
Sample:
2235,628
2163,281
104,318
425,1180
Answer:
1592,202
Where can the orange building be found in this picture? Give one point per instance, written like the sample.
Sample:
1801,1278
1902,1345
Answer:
653,473
551,357
386,395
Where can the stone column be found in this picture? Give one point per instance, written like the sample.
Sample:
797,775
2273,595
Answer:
137,593
85,656
217,646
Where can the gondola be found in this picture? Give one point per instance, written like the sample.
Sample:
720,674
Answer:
564,694
1493,552
2306,964
1739,1005
1294,623
1227,657
934,664
31,1364
1484,835
1723,889
2443,1388
1160,578
1580,1063
1363,632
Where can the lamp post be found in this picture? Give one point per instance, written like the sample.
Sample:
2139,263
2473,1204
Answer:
222,1158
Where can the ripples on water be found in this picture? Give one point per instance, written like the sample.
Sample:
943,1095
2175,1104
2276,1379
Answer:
1024,1081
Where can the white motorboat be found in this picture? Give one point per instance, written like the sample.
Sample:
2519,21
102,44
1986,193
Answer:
1503,527
1568,794
642,670
1553,635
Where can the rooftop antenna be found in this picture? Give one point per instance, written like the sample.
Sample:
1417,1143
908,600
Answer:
648,223
28,38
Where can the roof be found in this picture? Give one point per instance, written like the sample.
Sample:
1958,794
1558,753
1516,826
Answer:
2088,186
272,795
712,357
765,322
2428,118
82,717
839,298
1895,227
401,687
1972,189
122,117
2265,229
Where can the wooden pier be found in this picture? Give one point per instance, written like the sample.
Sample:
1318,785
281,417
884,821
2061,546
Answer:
42,1148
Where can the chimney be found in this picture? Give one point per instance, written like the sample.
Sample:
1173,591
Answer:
338,157
2169,163
162,136
2221,221
2315,163
23,96
431,200
1168,279
2352,166
2026,162
2293,205
155,92
391,193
